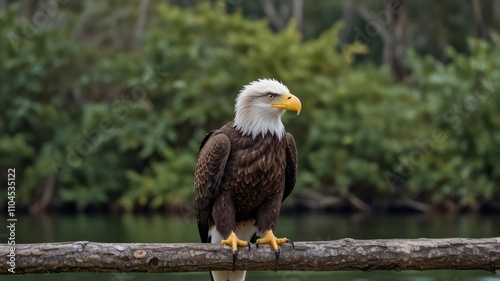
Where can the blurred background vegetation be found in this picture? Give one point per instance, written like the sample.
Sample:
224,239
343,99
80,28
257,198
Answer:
104,103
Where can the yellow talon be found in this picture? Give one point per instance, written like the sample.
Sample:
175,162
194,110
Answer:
234,242
270,239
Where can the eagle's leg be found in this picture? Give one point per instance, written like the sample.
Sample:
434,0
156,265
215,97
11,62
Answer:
274,242
234,242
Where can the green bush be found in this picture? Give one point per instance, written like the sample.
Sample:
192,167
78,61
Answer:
462,101
90,123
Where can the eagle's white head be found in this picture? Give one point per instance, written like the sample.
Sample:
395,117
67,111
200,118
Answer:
260,105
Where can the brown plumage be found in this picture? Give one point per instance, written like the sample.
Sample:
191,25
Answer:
239,178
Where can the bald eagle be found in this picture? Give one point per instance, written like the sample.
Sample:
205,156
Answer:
245,170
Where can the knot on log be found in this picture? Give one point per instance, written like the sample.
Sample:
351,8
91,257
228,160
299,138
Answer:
140,254
153,261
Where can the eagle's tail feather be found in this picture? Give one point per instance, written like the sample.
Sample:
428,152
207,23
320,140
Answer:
228,275
246,230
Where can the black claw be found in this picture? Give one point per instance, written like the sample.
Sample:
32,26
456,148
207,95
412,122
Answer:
277,260
235,255
248,244
291,242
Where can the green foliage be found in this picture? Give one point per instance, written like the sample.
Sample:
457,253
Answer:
463,100
92,123
359,127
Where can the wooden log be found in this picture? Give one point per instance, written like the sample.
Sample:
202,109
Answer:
344,254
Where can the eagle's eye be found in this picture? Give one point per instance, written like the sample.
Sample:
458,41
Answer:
271,96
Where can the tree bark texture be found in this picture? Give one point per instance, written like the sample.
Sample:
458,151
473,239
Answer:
393,52
344,254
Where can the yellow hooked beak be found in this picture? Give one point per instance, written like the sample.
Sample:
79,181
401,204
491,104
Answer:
288,102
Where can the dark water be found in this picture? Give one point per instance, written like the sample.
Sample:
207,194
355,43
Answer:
311,227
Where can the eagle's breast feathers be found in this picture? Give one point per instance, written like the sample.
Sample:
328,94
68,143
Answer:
244,170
